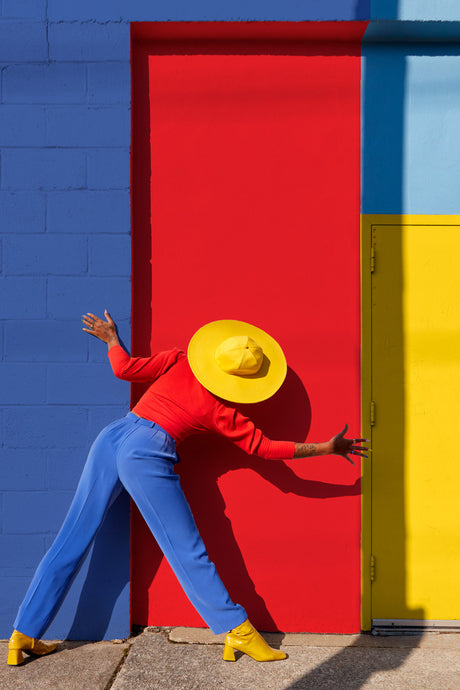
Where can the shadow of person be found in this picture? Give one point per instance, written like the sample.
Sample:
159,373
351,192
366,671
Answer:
205,461
107,576
352,667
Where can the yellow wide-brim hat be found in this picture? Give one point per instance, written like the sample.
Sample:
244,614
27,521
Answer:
237,361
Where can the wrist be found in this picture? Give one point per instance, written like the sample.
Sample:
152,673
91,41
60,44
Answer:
327,448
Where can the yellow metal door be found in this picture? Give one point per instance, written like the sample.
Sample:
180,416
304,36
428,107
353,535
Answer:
415,389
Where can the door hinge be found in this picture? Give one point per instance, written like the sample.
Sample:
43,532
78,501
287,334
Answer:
372,263
372,412
372,568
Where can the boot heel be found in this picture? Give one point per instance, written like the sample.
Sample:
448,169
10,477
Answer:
229,653
15,657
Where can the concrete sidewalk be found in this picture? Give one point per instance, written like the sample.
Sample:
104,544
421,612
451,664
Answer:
191,659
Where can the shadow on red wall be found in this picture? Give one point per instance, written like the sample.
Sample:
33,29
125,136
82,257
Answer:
213,458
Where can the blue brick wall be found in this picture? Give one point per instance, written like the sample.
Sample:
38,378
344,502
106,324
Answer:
64,250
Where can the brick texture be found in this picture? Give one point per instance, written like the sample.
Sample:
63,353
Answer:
89,211
64,250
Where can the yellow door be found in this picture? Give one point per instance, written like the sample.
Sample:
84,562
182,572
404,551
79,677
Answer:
415,388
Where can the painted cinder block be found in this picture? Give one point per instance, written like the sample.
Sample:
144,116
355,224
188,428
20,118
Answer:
22,125
109,255
23,41
16,588
108,168
89,41
47,83
89,211
76,382
109,82
45,254
72,297
48,515
209,10
91,126
100,416
23,468
19,551
48,426
23,298
22,383
43,169
43,341
22,211
64,467
25,9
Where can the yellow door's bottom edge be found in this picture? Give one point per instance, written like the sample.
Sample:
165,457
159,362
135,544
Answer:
407,624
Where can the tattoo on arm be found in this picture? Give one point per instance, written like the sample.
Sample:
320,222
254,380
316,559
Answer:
305,450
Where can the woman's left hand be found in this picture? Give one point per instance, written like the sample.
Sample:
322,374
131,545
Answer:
104,330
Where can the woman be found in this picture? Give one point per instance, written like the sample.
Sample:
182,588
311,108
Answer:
226,361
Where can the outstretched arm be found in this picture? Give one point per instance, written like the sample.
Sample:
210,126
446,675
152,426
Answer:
125,367
104,330
337,445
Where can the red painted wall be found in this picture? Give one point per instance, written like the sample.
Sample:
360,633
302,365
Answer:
246,202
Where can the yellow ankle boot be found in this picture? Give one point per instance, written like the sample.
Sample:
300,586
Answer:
20,643
246,639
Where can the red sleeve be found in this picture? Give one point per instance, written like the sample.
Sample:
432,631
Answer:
241,431
141,368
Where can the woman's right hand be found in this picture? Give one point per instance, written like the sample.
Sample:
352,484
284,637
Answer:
104,330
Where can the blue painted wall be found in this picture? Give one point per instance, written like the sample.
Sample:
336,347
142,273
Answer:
208,10
65,249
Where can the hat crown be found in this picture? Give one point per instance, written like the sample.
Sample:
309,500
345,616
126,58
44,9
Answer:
239,355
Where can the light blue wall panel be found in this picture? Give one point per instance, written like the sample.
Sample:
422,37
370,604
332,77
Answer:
431,151
439,10
411,142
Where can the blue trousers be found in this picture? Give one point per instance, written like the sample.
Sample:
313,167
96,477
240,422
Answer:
139,455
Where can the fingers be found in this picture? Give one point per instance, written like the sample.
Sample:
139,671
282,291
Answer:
349,460
92,322
357,452
108,317
344,430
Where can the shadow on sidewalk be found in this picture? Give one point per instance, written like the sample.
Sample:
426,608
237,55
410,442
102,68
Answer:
353,666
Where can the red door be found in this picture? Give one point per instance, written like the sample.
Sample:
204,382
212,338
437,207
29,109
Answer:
246,206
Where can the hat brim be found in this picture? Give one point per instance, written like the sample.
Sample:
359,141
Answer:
239,389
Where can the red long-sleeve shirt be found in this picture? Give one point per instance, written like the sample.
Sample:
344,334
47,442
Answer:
178,403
